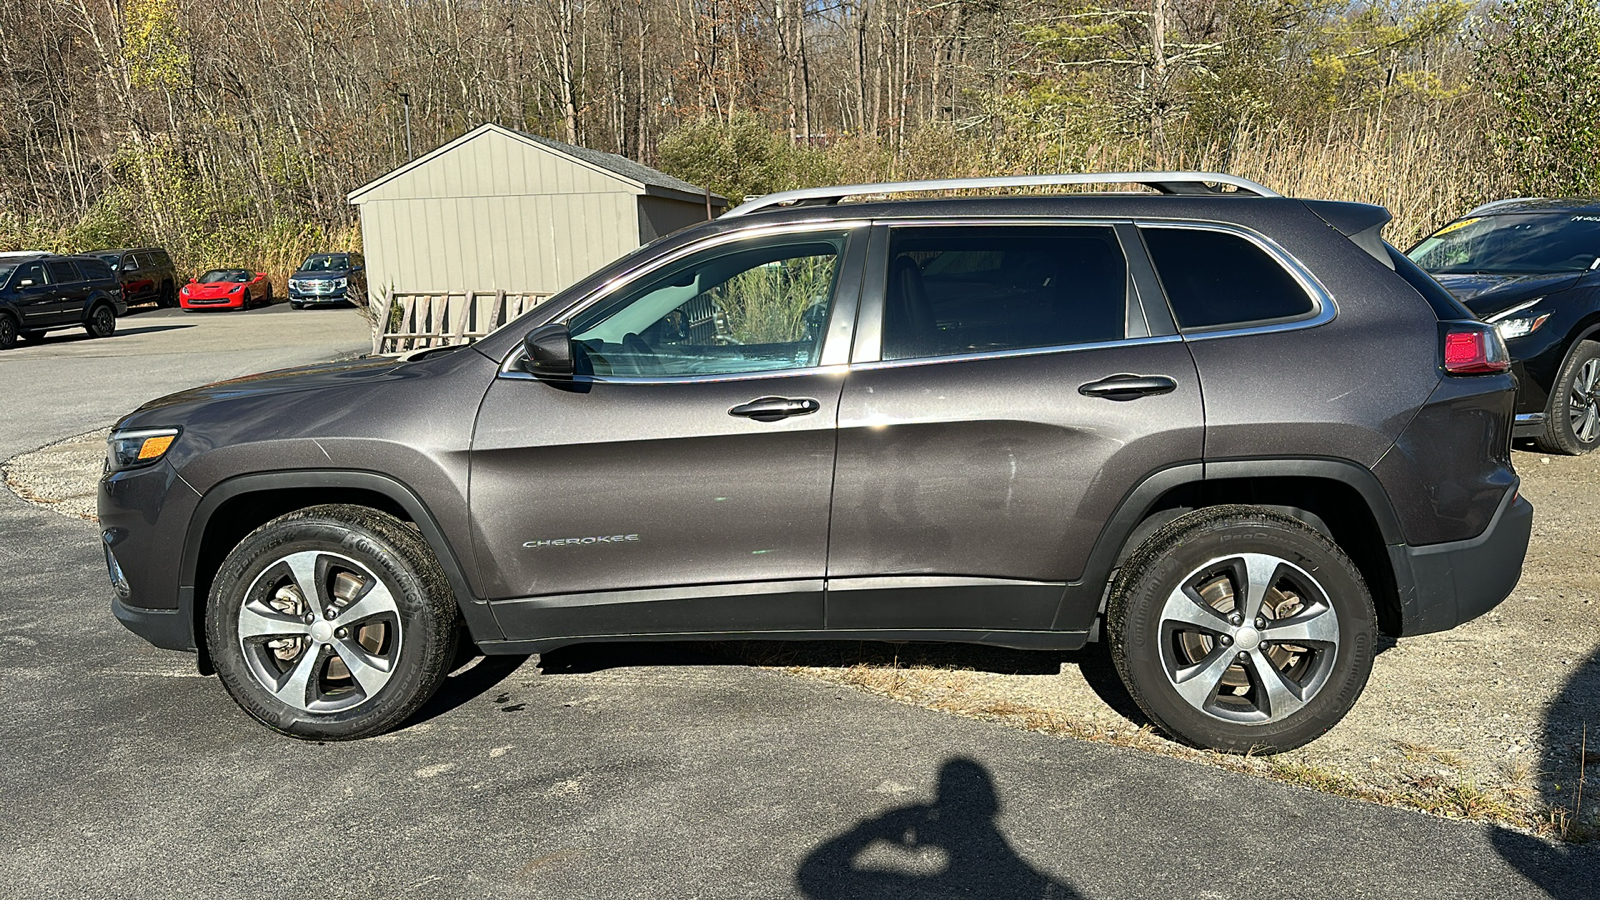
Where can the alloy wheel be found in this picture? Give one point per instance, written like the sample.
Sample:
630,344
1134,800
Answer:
320,631
1583,406
1249,638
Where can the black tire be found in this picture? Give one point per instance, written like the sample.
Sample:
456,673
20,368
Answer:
1572,419
1216,548
8,332
294,305
102,321
269,298
168,295
415,640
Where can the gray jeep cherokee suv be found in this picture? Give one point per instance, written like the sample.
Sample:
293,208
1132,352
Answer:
1235,435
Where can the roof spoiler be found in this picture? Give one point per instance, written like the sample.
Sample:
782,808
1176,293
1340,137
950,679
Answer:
1362,223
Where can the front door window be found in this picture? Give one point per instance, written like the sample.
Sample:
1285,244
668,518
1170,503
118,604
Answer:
755,307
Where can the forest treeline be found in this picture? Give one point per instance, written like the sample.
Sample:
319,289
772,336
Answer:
231,130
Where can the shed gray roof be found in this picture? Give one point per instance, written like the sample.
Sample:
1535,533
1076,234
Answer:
623,166
650,180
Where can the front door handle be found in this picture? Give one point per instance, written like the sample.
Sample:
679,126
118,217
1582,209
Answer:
1128,387
771,409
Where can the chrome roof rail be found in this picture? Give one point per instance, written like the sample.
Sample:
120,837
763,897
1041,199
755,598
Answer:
1190,183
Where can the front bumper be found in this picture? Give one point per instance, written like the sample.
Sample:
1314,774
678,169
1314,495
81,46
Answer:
229,302
1444,585
307,297
144,516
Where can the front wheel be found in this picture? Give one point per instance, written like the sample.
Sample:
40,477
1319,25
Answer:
1241,629
8,332
1572,420
102,322
332,623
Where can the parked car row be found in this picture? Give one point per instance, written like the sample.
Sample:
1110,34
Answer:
42,292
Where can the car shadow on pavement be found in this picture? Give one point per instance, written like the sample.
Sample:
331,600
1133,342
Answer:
1093,661
1567,770
951,847
472,679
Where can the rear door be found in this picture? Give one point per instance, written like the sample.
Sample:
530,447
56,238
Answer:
69,292
1008,388
680,482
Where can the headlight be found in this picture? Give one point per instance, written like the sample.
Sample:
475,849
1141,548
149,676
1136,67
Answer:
340,282
1522,326
132,449
1515,328
236,288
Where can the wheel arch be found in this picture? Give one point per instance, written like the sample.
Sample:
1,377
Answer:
1338,497
239,505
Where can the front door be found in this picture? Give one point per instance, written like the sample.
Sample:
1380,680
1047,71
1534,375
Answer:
35,296
680,481
1015,391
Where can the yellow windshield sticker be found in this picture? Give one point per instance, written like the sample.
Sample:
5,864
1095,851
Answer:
1456,226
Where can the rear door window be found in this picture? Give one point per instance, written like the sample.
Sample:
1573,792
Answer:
94,269
978,289
62,271
1215,279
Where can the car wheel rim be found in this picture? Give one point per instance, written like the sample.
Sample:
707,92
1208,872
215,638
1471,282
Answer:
320,631
1583,407
102,321
1249,638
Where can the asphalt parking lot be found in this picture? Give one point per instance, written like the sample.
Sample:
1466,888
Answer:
602,771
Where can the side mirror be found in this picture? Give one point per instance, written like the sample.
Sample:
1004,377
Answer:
26,282
549,349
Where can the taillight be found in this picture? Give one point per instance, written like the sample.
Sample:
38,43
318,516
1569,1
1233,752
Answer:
1471,348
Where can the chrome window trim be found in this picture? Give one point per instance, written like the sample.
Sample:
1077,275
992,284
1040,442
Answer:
508,367
1008,354
512,374
1324,308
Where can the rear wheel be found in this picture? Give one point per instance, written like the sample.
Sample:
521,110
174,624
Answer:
1243,630
102,321
168,295
267,301
332,623
1572,420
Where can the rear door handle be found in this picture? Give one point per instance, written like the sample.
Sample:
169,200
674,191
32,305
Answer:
1128,387
771,409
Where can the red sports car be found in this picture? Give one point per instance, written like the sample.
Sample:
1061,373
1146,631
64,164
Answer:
226,289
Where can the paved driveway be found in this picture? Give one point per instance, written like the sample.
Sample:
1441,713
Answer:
624,771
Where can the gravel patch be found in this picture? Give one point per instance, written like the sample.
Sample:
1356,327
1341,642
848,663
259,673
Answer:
62,477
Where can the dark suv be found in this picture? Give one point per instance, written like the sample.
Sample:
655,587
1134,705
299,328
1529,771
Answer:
42,292
1233,434
326,278
146,274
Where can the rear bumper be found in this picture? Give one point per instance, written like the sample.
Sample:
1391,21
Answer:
1444,585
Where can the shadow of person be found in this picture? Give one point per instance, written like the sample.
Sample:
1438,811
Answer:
1571,734
948,848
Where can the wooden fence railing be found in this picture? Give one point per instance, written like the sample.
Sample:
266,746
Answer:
438,319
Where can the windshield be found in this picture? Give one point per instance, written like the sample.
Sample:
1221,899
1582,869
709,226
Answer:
326,262
1514,243
224,275
114,260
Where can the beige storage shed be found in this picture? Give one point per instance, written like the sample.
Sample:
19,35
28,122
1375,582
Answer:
500,210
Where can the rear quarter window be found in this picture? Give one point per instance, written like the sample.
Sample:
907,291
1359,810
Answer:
1214,279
